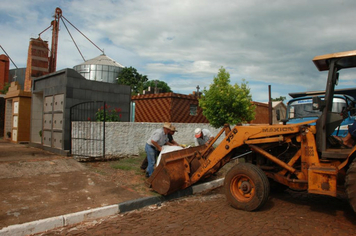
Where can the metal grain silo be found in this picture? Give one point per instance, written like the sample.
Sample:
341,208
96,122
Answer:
101,68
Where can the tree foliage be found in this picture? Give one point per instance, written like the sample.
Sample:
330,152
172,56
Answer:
130,76
161,85
5,88
224,103
281,98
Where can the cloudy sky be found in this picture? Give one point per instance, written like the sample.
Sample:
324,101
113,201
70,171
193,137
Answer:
185,42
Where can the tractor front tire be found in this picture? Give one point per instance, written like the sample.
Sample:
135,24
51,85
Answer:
350,184
246,187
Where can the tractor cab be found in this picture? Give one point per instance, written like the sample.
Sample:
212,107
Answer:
329,120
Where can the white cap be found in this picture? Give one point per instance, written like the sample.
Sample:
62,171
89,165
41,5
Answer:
197,132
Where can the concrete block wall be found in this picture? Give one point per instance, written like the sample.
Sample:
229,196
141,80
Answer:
75,89
126,139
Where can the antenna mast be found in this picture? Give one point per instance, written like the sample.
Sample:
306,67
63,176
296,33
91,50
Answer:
54,47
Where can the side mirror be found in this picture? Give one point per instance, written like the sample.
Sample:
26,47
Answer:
284,121
318,104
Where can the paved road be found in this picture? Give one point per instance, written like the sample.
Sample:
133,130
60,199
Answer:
288,213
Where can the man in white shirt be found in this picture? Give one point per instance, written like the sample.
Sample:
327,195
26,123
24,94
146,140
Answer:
154,146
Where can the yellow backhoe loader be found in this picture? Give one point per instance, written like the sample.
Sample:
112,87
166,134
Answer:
300,156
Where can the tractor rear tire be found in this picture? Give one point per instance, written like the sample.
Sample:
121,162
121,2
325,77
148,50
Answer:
350,184
246,187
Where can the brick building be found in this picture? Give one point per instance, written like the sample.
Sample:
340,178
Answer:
4,70
37,62
168,107
180,108
262,112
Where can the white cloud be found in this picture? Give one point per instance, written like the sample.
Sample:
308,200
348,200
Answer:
185,42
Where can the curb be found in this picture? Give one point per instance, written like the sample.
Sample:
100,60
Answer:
39,226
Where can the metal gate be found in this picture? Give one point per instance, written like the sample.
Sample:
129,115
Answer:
87,121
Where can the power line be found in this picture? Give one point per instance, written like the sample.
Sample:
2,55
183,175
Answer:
9,57
62,17
83,34
73,40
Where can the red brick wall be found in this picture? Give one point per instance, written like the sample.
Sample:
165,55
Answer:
262,114
37,61
4,70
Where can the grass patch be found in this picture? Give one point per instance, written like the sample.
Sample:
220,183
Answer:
101,172
132,163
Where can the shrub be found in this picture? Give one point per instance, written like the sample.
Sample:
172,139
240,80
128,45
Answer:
107,114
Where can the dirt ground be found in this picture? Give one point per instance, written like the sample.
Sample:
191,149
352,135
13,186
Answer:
37,184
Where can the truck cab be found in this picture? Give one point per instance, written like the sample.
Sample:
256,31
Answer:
300,109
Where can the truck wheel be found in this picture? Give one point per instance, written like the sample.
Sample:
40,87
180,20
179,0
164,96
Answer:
246,187
350,184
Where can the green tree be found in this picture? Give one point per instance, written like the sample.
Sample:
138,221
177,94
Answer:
5,88
161,85
224,103
130,76
281,98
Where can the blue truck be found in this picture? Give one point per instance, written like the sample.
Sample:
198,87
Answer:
300,108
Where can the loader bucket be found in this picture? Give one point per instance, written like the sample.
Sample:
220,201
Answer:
174,170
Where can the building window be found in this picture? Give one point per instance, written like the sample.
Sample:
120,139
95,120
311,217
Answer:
193,109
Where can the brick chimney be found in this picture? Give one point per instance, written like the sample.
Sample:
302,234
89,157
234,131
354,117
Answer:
37,61
4,70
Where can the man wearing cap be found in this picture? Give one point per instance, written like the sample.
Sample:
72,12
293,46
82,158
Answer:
202,136
171,141
154,146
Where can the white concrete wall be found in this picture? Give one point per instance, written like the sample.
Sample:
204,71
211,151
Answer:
128,138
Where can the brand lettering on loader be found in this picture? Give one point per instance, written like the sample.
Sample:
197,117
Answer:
281,129
309,151
206,163
231,136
